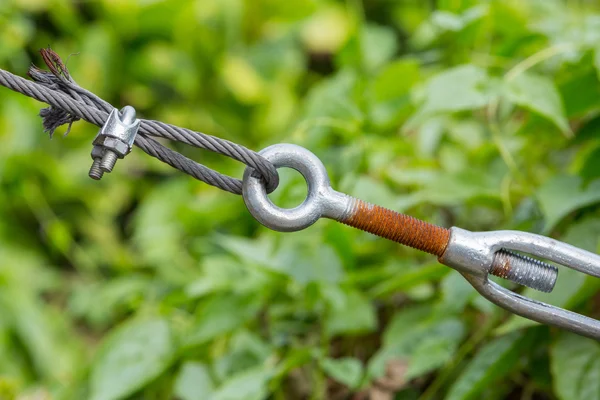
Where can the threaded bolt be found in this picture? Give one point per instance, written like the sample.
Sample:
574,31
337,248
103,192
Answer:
95,171
524,270
398,227
109,160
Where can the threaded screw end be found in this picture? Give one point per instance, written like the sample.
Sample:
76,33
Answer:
95,171
524,270
109,160
398,227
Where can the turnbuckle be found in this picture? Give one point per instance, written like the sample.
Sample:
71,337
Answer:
476,255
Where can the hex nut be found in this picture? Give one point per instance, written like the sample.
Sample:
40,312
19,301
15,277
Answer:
97,152
111,143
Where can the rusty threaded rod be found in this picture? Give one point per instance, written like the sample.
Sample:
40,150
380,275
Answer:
398,227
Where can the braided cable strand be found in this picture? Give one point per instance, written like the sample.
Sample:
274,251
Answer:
65,95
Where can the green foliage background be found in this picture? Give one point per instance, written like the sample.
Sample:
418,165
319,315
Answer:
149,285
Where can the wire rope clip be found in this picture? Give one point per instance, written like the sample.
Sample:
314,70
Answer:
114,141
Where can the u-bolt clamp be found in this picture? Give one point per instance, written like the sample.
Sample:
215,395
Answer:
475,255
114,140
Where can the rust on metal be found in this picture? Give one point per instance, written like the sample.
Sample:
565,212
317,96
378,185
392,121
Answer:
502,265
398,227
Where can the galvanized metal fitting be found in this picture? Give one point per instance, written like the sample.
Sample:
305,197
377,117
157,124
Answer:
114,141
475,255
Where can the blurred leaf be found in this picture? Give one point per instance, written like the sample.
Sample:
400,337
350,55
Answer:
425,342
433,352
539,94
430,135
442,22
319,265
379,46
580,92
193,382
100,303
456,293
405,280
597,59
395,79
246,350
564,194
326,30
220,315
347,370
591,168
39,331
376,45
584,234
576,367
248,385
390,90
447,189
331,104
491,363
355,315
242,80
131,357
457,89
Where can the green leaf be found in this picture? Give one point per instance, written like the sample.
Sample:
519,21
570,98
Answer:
584,234
539,94
405,280
580,93
332,100
134,355
564,194
378,46
395,80
447,189
355,315
597,59
575,363
415,335
457,89
221,315
390,92
370,48
245,350
193,382
456,293
347,370
590,169
38,329
442,22
490,364
305,263
247,385
433,352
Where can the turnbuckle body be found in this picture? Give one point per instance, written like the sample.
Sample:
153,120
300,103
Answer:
475,255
